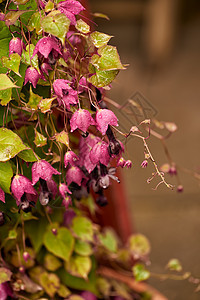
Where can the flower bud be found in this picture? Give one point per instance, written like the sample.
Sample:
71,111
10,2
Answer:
54,231
179,188
26,256
22,269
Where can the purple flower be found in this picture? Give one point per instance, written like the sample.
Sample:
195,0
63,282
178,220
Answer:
45,45
5,291
15,46
32,76
70,158
45,67
99,153
2,195
88,295
74,174
70,8
66,95
81,119
68,217
42,169
105,117
20,185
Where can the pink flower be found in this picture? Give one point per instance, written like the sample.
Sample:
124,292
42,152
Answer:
128,163
99,153
63,190
66,95
45,45
15,46
32,76
105,117
144,163
81,119
74,174
70,158
121,162
67,201
70,8
20,185
52,187
2,195
42,169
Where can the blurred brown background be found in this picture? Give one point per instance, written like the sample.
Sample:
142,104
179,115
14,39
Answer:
160,40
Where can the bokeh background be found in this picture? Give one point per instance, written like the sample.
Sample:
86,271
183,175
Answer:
160,40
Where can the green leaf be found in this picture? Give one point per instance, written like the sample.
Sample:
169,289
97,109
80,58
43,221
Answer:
174,265
62,137
12,63
35,21
57,25
82,248
34,100
104,286
10,144
45,104
50,282
5,96
49,6
40,140
103,78
12,16
79,266
30,8
108,60
5,37
28,155
140,273
60,245
5,275
109,240
63,291
6,83
100,15
82,26
83,228
12,235
26,57
100,39
20,2
139,245
36,236
51,262
6,173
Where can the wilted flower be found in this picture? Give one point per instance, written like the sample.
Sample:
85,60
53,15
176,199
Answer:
99,153
81,119
42,169
2,195
70,8
66,95
45,45
21,185
32,76
105,117
15,46
70,158
74,174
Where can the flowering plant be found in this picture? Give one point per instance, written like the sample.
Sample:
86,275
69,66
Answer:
58,154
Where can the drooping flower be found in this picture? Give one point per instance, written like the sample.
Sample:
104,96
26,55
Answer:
45,67
42,169
32,75
70,8
99,153
20,185
121,162
5,291
105,117
2,195
81,119
45,45
144,164
66,95
74,174
70,158
63,190
15,46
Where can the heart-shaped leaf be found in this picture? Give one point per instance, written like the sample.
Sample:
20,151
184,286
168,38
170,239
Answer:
139,245
34,100
6,83
5,275
12,63
10,144
6,174
28,155
103,78
109,240
5,96
61,244
45,104
82,248
79,266
12,16
40,140
35,21
100,39
140,273
62,137
57,25
82,26
83,228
